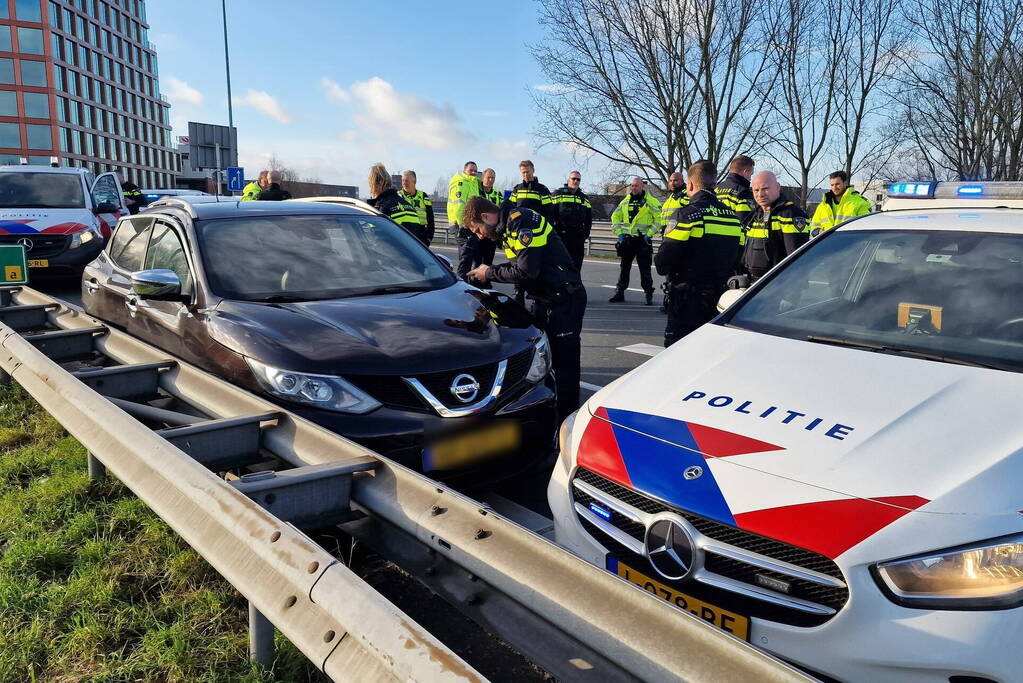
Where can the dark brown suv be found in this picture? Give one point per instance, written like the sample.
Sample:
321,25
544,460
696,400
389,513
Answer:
341,315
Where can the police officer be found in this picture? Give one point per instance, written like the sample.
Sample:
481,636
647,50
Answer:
532,194
634,223
485,248
134,200
777,229
839,205
698,253
574,217
734,190
273,192
540,264
385,199
420,201
251,191
676,199
463,187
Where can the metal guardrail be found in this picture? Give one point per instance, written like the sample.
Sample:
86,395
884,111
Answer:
601,241
575,620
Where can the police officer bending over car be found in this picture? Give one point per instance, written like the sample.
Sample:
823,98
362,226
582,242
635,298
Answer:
540,264
699,251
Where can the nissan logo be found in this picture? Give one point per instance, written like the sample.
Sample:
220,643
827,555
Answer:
27,243
465,388
670,548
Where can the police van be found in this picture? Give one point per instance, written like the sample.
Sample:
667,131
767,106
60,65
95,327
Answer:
831,468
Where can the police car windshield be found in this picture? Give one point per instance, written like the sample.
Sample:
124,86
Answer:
940,295
41,191
302,258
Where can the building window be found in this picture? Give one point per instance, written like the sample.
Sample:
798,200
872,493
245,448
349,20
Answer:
28,10
4,14
33,73
6,70
37,105
30,41
39,137
5,39
10,135
62,109
54,15
62,135
8,103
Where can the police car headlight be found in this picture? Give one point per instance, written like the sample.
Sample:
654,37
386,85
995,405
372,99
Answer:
986,575
541,361
85,236
565,433
320,391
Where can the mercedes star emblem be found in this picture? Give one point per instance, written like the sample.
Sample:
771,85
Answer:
670,548
694,472
465,388
27,243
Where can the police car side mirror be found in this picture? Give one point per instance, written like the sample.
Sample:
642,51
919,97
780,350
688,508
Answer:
729,297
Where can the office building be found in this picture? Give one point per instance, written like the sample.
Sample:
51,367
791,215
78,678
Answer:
78,81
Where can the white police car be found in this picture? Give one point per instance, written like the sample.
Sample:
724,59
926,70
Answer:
831,469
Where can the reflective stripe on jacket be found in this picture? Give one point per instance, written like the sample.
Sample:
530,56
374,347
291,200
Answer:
574,212
674,201
646,221
850,205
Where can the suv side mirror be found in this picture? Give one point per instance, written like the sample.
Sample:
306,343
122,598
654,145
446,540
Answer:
158,284
106,207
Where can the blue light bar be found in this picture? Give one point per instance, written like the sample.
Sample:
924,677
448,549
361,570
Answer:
600,512
971,190
916,190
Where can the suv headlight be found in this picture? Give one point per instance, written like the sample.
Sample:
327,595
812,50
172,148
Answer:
541,361
85,236
986,575
320,391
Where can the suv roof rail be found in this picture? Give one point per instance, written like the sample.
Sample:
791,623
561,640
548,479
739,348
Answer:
175,203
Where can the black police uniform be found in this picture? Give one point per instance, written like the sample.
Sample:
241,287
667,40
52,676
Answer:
772,235
274,193
735,192
401,211
539,263
574,221
133,194
535,196
697,255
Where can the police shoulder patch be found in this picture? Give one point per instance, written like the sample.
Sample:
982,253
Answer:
525,236
799,222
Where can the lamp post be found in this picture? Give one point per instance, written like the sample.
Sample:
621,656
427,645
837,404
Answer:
227,64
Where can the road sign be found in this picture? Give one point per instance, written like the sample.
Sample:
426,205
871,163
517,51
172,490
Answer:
13,265
205,140
235,179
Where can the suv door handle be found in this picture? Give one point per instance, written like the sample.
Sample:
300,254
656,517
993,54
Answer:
92,285
131,303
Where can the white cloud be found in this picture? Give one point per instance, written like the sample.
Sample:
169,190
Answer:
334,91
179,92
509,149
551,88
382,111
264,102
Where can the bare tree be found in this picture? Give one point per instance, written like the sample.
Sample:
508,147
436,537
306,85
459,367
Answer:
651,85
963,87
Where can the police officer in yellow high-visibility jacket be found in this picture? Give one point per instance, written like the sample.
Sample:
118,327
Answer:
777,229
251,191
635,222
420,201
385,199
539,263
676,199
839,205
463,187
697,254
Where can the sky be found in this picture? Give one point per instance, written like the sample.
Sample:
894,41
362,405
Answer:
332,86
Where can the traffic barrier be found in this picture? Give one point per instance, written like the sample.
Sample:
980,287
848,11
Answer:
601,241
571,618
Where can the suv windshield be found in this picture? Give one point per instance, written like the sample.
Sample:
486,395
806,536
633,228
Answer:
41,191
299,258
941,295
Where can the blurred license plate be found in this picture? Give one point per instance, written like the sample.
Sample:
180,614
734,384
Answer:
470,446
727,621
38,263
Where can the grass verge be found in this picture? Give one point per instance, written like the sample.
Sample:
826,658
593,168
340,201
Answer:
94,586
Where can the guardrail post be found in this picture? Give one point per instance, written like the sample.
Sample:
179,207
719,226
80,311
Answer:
261,638
97,470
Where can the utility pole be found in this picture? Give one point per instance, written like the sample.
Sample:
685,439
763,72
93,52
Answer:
227,64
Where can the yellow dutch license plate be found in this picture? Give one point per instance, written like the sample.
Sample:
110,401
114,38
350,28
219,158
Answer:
468,447
730,622
38,263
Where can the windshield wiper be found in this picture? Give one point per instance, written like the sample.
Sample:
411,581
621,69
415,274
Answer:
897,350
394,289
281,299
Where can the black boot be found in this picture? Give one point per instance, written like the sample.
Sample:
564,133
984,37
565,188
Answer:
619,297
649,298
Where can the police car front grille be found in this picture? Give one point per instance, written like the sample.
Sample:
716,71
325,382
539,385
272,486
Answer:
724,533
43,245
833,597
